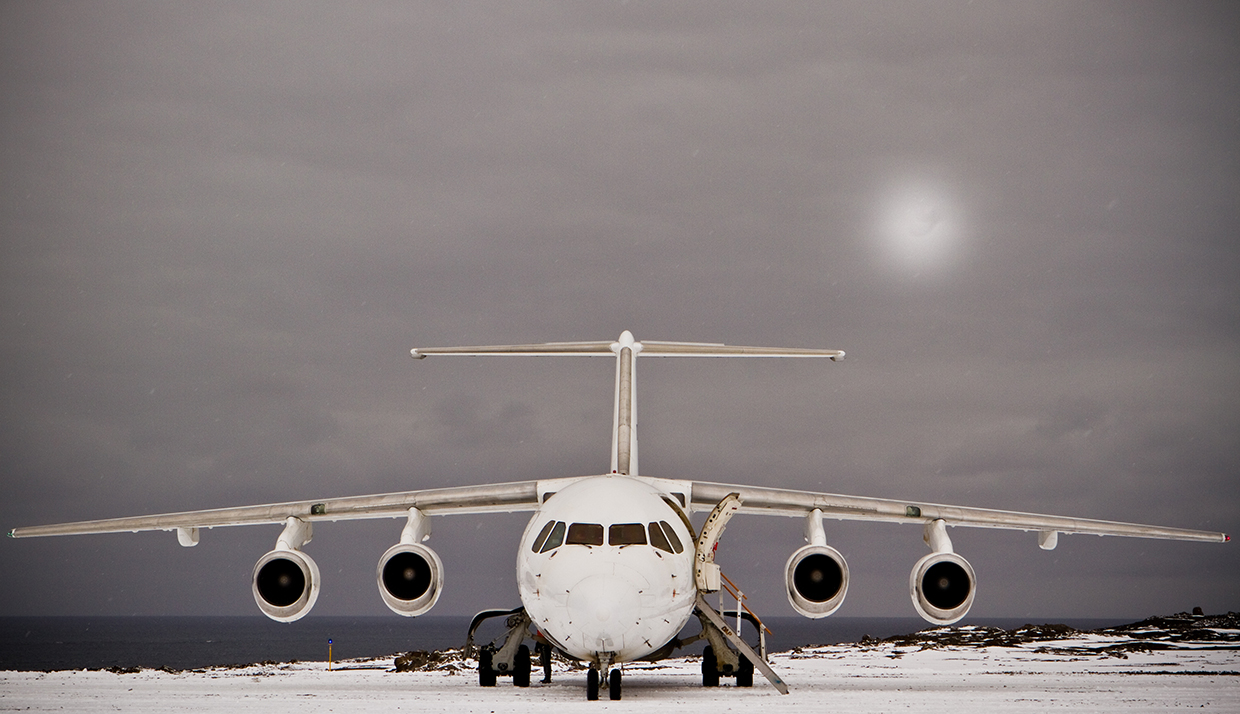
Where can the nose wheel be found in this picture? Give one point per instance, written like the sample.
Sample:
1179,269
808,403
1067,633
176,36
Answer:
592,684
593,680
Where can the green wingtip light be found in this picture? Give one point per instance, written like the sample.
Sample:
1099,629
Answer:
12,532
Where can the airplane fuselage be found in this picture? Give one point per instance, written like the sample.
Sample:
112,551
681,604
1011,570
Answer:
605,568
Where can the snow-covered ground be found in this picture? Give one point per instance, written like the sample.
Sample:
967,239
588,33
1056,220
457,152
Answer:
1084,672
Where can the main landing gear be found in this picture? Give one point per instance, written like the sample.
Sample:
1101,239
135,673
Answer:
712,669
489,669
511,659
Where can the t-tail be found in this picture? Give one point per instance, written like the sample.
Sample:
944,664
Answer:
626,351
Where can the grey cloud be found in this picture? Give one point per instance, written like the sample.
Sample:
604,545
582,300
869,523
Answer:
225,225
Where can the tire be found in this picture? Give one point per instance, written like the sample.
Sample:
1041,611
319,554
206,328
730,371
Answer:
613,684
744,675
521,668
710,673
592,685
486,675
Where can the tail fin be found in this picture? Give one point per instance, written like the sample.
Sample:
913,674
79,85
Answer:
626,351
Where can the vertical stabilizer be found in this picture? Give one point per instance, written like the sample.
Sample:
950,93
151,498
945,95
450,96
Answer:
624,422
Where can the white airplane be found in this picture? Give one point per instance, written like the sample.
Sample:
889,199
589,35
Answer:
610,567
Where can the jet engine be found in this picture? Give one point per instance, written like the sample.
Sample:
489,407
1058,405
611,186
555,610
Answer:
817,579
942,586
286,584
410,578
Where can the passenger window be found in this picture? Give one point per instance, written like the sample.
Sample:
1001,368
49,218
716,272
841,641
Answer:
626,534
556,539
585,534
542,536
672,537
657,539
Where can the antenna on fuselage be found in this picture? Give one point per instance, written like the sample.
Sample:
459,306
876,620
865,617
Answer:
626,350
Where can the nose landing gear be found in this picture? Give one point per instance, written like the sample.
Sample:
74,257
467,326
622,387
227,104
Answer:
594,680
609,676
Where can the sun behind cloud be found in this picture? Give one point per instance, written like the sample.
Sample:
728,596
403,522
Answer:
919,225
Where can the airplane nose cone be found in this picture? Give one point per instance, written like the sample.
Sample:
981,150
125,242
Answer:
604,608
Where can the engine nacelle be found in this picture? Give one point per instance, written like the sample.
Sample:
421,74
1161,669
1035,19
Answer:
817,580
410,578
942,586
286,584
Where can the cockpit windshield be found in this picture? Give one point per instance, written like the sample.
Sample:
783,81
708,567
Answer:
553,535
626,534
585,534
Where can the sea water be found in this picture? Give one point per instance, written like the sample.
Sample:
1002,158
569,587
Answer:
60,643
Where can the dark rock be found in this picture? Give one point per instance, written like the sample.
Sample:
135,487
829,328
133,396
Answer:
422,660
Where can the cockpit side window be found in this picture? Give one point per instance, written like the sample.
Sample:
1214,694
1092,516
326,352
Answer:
657,539
585,534
542,536
626,534
672,537
681,513
556,539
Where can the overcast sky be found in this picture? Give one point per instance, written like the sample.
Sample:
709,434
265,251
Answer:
224,225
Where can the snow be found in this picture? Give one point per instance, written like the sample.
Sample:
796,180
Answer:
870,677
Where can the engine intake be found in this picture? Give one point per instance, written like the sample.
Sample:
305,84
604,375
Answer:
817,580
286,584
942,586
410,578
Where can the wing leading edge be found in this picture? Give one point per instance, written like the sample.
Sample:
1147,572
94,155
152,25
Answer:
524,496
776,501
490,498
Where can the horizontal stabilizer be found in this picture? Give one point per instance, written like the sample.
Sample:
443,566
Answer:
653,347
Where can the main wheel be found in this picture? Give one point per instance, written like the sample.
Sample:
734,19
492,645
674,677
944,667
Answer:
486,675
592,684
521,668
710,672
613,684
744,675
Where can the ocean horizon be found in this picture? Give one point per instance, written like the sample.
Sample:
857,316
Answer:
191,642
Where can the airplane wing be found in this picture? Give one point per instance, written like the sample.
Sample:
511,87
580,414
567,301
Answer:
491,498
783,502
523,496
